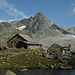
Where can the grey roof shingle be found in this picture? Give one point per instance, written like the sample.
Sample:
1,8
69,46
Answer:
29,39
26,37
33,43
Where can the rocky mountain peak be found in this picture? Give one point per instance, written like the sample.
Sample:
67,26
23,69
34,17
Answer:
38,15
37,24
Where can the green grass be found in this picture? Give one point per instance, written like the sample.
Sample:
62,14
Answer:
26,60
30,59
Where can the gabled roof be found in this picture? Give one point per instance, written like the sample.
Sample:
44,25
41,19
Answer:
25,37
65,47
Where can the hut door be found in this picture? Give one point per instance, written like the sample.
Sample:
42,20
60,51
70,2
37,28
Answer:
21,45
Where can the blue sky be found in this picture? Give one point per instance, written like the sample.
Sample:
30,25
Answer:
61,12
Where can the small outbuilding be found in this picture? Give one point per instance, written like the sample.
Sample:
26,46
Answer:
56,51
23,41
55,48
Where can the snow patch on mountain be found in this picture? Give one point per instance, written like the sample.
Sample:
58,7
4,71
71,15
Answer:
73,36
21,28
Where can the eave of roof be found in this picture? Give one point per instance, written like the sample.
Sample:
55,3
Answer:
32,43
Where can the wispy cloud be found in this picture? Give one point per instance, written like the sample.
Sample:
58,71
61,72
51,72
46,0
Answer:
72,4
73,8
9,20
11,10
1,20
73,11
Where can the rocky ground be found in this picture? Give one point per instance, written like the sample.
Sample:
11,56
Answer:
22,59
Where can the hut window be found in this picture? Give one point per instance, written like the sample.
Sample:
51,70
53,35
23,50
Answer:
14,41
11,41
28,45
14,45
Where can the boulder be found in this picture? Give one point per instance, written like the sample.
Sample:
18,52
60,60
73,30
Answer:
24,70
9,72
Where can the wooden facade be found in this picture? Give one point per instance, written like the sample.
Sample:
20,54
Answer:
23,41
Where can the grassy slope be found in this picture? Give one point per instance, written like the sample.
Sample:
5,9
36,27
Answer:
29,59
24,59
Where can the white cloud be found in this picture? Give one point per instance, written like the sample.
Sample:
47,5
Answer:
9,20
72,4
1,20
73,8
73,11
11,10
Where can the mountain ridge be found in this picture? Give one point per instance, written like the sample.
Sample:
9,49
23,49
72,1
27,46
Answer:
38,19
41,29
